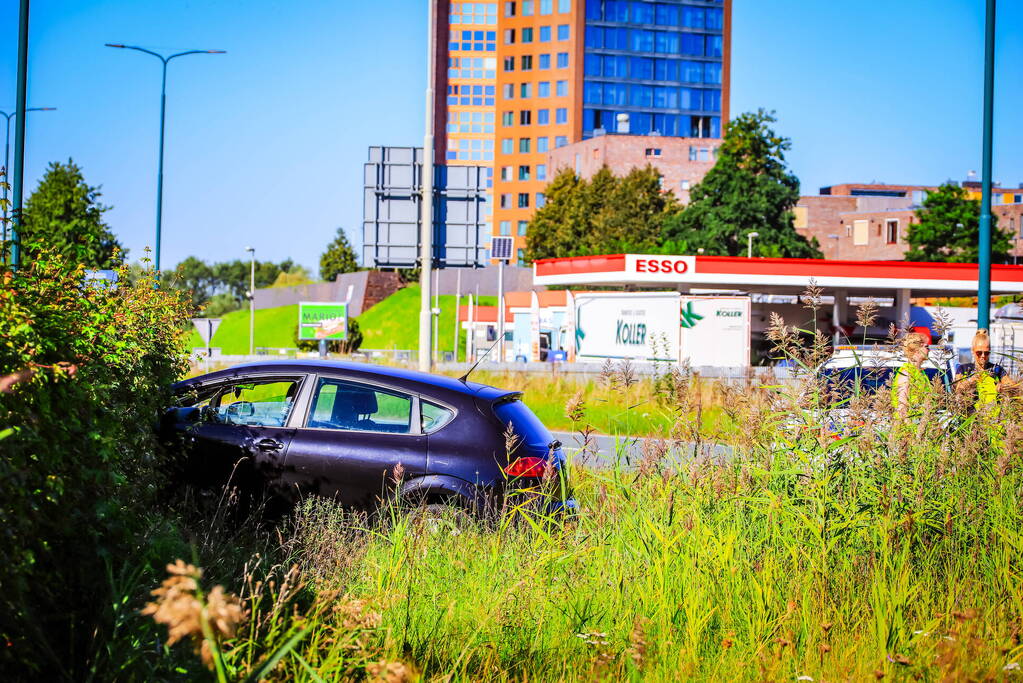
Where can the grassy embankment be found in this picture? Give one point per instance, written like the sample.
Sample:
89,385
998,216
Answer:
391,324
632,411
801,558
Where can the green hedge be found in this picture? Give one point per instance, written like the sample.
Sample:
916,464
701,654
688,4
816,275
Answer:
84,376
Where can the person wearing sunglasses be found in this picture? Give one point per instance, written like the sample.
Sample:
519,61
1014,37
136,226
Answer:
981,377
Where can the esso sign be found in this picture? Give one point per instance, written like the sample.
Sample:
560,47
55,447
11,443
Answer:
653,264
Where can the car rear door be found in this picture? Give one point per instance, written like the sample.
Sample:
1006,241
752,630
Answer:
354,435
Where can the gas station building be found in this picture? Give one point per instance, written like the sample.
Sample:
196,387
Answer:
547,320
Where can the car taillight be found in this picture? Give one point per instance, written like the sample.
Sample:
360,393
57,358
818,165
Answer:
530,467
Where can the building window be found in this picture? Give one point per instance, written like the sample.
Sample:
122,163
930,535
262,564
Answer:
861,234
527,8
545,34
525,90
523,200
564,6
541,200
542,144
543,116
509,9
563,32
892,231
527,35
546,6
653,152
505,228
523,227
545,61
561,89
508,91
507,173
561,115
684,185
526,63
541,174
507,146
506,201
562,60
524,146
524,172
522,257
509,36
525,117
543,89
560,141
801,217
509,64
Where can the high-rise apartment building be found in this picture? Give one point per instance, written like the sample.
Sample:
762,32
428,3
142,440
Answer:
519,78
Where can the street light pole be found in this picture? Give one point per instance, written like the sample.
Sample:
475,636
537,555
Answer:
984,241
7,166
20,104
749,243
252,301
163,113
426,203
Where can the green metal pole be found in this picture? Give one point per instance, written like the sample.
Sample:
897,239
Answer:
19,134
984,242
7,181
159,173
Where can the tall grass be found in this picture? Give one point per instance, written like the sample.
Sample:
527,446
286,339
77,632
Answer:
892,550
883,547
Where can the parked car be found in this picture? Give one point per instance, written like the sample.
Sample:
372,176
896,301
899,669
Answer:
864,370
361,433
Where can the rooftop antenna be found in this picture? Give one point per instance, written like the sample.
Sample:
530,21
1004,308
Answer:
478,361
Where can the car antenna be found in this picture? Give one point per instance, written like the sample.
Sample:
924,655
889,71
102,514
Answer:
478,361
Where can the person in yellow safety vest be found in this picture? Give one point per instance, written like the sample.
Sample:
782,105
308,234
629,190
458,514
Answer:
981,378
910,385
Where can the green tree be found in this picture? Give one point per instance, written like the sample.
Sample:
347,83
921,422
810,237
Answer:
631,215
64,214
339,258
195,276
601,215
749,189
558,227
939,237
297,275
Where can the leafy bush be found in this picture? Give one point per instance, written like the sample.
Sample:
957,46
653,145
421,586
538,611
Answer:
84,375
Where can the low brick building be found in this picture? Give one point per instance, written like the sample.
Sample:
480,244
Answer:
681,161
870,221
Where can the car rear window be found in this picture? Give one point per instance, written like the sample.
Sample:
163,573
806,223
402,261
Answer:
524,423
842,382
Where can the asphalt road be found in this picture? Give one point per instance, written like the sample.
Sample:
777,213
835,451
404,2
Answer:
605,450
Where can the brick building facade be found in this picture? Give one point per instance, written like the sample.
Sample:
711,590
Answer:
682,162
870,222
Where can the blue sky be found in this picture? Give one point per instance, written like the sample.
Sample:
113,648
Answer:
265,144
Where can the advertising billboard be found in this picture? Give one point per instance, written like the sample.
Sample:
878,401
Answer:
618,325
322,320
715,331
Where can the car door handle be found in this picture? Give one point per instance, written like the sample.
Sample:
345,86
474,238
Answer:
269,445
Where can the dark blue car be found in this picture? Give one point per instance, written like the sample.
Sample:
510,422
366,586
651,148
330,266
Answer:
362,433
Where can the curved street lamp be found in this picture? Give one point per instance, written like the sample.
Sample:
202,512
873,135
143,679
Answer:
749,243
163,109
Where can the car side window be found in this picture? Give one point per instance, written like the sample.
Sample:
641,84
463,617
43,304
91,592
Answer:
256,403
350,406
434,416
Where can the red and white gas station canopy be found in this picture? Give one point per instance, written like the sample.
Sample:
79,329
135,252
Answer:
773,275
